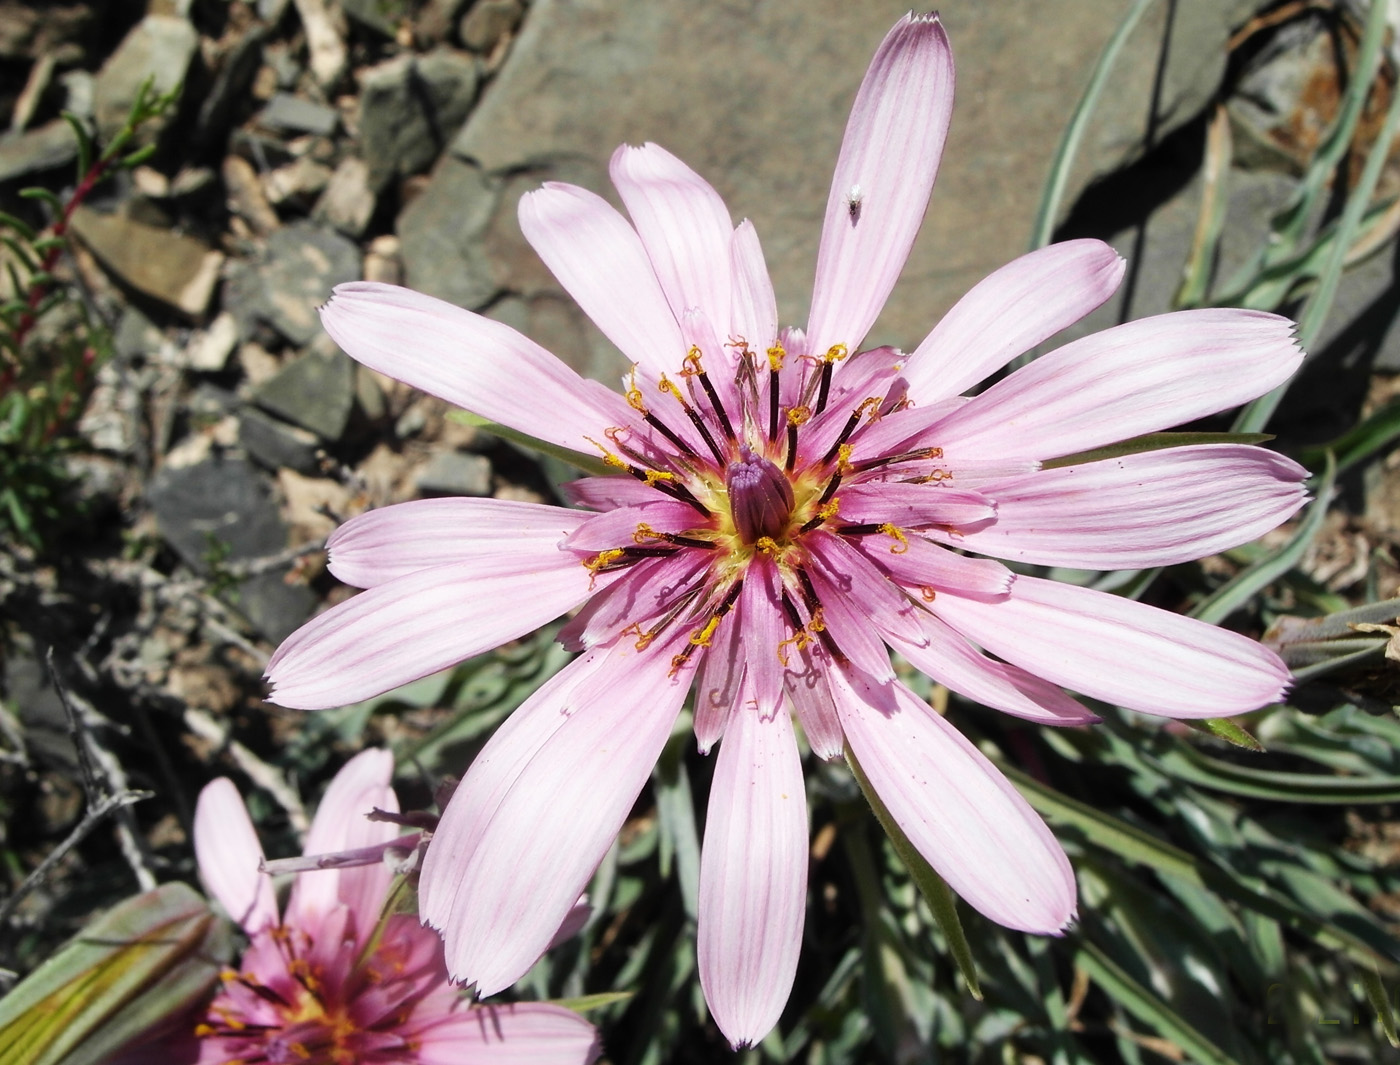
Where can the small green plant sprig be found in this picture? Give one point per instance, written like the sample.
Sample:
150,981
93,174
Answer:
44,380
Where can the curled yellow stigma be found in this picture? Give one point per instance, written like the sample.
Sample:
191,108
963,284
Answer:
701,637
608,457
602,558
634,394
927,594
691,364
870,407
843,460
803,636
643,638
898,548
669,386
836,353
776,354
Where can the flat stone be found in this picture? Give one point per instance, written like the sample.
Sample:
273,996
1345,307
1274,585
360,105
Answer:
209,350
314,391
587,75
295,114
303,262
301,180
410,108
348,202
34,151
456,473
246,197
487,22
159,47
174,268
275,444
441,234
136,335
382,16
231,83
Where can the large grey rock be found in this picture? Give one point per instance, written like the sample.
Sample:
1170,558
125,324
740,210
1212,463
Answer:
174,268
301,265
274,443
33,151
411,108
755,97
159,47
315,392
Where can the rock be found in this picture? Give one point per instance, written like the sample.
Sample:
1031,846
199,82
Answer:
348,203
136,335
456,473
294,114
159,47
368,394
230,87
222,508
306,501
208,352
34,151
382,16
325,38
410,107
384,260
246,197
273,443
488,22
174,268
441,233
30,31
314,391
302,263
302,179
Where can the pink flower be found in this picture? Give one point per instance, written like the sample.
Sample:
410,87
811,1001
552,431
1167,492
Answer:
788,507
331,981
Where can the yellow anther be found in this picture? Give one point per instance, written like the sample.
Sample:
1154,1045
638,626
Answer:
843,460
608,457
634,394
645,534
799,416
667,385
701,637
936,477
767,545
658,475
836,353
818,622
933,452
602,558
691,364
299,1049
803,636
203,1031
776,354
902,546
827,511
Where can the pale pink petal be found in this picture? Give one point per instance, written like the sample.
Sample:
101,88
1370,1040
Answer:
627,526
847,624
605,493
953,662
753,876
920,565
522,1033
753,309
391,542
912,506
600,261
683,224
717,680
552,827
229,855
1010,311
634,600
889,156
902,431
478,364
1122,382
1156,508
810,691
341,823
1121,651
764,627
419,624
573,922
854,579
960,813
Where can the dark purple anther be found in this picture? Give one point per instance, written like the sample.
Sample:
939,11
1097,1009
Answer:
760,497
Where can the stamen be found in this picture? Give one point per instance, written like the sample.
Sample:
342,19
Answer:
645,534
796,417
907,456
694,368
870,405
776,354
825,513
834,354
667,385
902,546
634,394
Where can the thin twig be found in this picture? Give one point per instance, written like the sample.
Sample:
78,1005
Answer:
94,788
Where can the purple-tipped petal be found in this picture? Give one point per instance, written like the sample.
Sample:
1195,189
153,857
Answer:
1121,651
1010,311
555,822
683,224
1132,379
380,545
522,1033
419,624
600,261
229,854
753,876
960,813
480,365
884,175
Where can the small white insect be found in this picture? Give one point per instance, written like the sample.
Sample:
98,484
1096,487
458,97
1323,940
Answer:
854,198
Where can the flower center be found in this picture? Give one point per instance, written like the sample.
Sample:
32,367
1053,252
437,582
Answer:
760,498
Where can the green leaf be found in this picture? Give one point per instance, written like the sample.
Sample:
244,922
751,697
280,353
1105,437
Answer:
1362,441
1187,764
1228,730
936,893
36,193
19,225
133,970
1210,222
1147,1006
587,1003
1153,442
1376,995
139,156
80,134
587,463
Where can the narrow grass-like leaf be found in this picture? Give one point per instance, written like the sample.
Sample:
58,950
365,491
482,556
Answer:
936,893
1362,441
48,196
1234,593
1229,730
1153,442
1148,1007
139,156
1376,995
586,1003
675,811
84,139
1210,222
1187,764
19,225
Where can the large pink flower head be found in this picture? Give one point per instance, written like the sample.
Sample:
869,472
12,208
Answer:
332,981
788,506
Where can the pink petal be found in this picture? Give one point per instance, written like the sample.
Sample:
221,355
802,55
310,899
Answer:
600,261
1121,651
341,824
753,309
522,1033
480,365
912,506
395,541
810,692
1132,379
894,139
717,680
1010,311
953,662
753,876
605,493
635,599
1156,508
853,579
229,855
918,564
622,526
961,814
562,811
683,224
419,624
763,627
